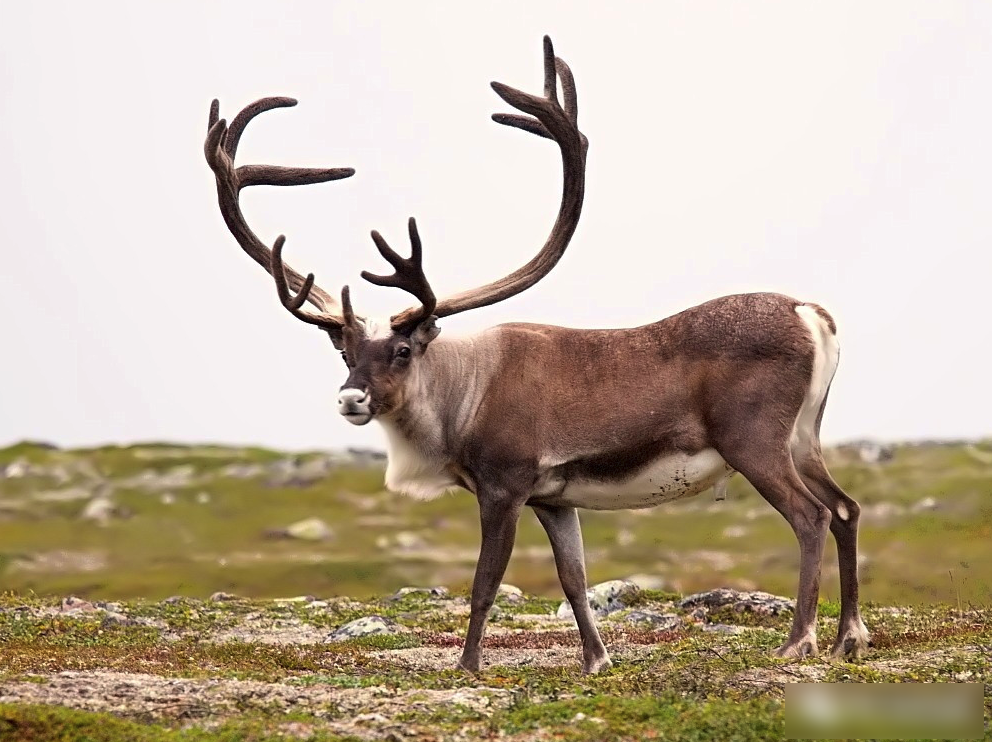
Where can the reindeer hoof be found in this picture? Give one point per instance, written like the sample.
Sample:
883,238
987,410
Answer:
600,664
798,650
469,666
853,643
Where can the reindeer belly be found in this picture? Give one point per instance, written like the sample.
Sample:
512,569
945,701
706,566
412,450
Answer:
665,479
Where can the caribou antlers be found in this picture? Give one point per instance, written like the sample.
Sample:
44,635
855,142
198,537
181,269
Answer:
220,148
547,118
409,276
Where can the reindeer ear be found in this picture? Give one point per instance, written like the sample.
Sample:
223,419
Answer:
337,337
425,332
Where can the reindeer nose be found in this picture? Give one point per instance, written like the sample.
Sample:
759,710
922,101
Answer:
351,398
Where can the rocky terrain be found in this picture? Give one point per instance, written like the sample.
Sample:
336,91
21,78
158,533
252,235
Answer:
225,668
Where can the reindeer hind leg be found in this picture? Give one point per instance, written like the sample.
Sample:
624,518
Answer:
767,464
852,635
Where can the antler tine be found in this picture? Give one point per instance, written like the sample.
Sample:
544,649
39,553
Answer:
568,90
294,303
547,118
220,147
550,83
408,276
249,112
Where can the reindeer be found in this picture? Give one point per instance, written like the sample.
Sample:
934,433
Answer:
557,419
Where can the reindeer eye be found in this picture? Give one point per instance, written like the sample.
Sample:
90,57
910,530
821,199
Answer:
403,352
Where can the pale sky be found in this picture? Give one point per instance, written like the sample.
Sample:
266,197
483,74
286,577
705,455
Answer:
838,152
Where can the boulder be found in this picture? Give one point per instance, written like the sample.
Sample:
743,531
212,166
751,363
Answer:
365,626
656,621
758,602
605,598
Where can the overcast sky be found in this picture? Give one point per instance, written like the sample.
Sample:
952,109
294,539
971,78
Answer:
838,152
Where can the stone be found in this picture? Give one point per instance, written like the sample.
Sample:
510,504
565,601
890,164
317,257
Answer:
510,593
604,598
409,541
99,510
219,596
365,626
167,498
657,621
113,618
924,505
242,471
757,602
72,604
722,628
310,529
202,498
625,537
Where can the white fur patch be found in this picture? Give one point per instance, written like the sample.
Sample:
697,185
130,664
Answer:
842,511
826,353
663,480
377,328
410,471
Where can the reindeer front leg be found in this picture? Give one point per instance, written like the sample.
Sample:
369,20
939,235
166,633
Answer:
499,512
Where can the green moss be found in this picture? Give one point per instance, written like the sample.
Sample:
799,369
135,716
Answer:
28,723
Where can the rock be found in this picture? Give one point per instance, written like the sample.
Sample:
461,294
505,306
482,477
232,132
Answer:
242,471
433,592
99,510
167,498
370,719
734,532
927,503
294,472
112,618
758,602
649,582
409,541
72,604
722,628
219,596
657,621
605,598
63,495
310,529
202,498
510,593
365,626
175,478
173,599
16,469
625,537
